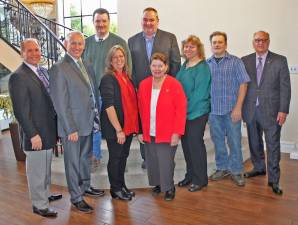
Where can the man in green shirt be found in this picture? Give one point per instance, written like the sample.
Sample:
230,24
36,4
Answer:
97,47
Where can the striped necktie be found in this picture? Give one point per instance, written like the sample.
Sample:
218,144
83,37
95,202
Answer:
42,77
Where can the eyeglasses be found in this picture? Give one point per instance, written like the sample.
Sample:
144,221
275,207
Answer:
260,40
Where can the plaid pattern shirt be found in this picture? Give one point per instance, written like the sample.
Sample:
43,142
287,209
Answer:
227,76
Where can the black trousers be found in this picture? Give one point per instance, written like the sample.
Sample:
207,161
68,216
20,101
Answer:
195,151
255,130
117,162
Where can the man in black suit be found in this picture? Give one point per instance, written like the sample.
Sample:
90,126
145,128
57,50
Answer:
146,43
32,105
266,107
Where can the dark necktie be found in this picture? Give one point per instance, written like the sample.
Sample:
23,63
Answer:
259,70
43,78
259,74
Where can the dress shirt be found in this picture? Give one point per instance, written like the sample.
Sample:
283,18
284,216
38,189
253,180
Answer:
227,76
149,45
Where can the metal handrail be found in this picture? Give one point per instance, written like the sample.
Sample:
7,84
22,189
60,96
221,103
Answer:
17,22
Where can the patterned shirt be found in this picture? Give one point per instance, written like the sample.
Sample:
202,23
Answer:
227,76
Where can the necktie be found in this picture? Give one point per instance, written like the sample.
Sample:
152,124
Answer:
259,70
85,75
83,70
43,78
259,74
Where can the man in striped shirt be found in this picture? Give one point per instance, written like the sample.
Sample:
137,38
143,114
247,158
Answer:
228,89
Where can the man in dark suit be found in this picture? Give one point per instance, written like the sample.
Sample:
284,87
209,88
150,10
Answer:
33,108
266,107
75,100
146,43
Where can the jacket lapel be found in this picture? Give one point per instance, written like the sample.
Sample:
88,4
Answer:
252,64
144,49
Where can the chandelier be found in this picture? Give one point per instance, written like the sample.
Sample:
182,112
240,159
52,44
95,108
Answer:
42,8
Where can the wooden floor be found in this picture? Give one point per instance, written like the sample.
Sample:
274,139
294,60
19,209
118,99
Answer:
222,203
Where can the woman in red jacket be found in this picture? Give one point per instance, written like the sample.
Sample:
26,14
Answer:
162,108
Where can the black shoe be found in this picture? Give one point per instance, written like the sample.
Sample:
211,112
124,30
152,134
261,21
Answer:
184,182
94,192
121,195
144,166
48,212
82,206
170,194
275,188
54,197
128,192
254,173
195,187
156,190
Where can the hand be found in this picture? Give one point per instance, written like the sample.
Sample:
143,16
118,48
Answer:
140,138
36,143
120,137
236,114
74,137
174,140
281,118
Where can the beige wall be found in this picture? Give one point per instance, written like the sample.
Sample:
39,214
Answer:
9,57
238,18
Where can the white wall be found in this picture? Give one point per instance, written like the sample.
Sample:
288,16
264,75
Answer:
238,18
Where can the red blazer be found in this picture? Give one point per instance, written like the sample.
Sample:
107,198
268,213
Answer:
170,109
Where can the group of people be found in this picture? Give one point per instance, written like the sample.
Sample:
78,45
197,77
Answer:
105,87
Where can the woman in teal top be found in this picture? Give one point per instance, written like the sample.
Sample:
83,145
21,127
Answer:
195,78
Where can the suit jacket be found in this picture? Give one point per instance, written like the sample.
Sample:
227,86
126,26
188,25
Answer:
72,97
164,42
32,107
111,96
274,91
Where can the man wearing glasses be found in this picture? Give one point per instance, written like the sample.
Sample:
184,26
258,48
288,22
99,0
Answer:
266,107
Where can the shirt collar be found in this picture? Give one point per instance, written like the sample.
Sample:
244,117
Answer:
97,39
264,56
74,59
226,56
32,67
153,36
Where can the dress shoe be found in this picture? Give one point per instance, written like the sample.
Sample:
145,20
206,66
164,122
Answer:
195,187
275,188
54,197
184,182
48,212
170,194
144,166
128,192
254,173
156,190
94,192
82,206
121,195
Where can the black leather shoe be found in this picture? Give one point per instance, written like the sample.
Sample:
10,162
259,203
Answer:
275,188
156,190
195,187
82,206
54,197
254,173
170,194
128,192
48,212
121,195
184,182
94,192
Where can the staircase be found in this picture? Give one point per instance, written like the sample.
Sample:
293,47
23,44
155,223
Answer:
17,22
135,176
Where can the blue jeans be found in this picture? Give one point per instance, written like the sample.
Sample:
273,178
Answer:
97,145
221,126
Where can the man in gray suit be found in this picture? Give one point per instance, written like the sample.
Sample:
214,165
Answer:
33,108
146,43
266,107
73,93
